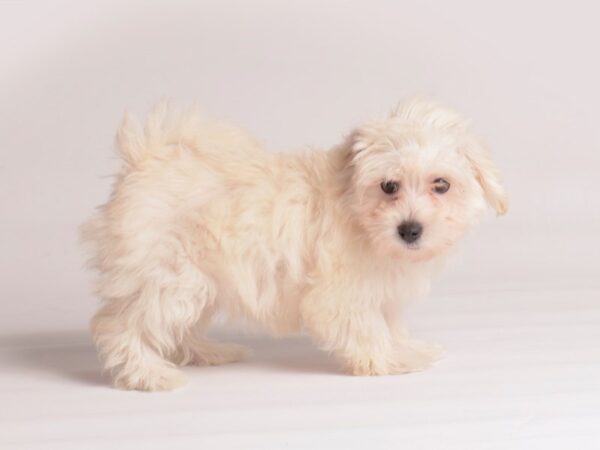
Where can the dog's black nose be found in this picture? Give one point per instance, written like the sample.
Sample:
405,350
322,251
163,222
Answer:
410,231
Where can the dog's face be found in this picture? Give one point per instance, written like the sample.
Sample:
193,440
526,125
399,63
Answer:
419,181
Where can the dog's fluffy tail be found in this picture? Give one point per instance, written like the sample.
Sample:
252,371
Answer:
168,131
163,126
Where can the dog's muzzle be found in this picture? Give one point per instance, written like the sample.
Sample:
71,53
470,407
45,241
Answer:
410,231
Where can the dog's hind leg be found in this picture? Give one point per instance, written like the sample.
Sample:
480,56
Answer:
147,313
132,351
197,349
138,338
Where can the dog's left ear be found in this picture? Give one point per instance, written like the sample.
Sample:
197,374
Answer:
486,174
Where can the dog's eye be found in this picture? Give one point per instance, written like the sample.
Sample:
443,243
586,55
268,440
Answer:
389,187
440,186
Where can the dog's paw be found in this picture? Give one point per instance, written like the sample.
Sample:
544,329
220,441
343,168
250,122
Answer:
217,353
368,368
408,356
151,379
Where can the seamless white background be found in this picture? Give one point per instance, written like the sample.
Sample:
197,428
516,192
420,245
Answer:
294,73
297,73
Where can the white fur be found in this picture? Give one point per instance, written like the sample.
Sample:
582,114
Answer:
202,220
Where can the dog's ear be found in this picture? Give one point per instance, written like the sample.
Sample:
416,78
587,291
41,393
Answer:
360,140
353,147
486,173
431,114
365,139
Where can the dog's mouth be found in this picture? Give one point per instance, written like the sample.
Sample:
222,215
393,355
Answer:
413,246
417,251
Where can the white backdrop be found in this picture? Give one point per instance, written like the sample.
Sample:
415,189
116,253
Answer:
296,73
293,73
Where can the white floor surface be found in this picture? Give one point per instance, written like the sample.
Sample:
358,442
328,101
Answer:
522,371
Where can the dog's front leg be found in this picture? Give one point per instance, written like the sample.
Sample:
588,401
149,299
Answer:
353,327
418,354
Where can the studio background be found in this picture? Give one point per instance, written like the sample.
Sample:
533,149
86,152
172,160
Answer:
304,73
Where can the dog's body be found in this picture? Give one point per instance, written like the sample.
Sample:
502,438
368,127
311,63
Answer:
203,220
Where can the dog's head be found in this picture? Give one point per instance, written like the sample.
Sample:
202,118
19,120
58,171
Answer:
419,180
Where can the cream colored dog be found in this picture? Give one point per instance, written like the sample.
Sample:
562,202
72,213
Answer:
202,220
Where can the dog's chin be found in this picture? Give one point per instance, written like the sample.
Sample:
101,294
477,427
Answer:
416,252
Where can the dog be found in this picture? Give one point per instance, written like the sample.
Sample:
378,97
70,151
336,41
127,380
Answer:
203,221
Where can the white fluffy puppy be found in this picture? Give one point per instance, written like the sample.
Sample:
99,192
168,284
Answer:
202,220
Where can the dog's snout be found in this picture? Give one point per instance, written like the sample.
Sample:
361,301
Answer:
410,231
